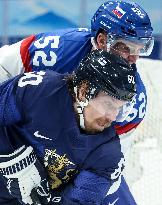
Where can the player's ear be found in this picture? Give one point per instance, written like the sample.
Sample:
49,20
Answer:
83,89
102,41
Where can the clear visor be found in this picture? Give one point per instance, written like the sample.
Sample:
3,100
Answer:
132,46
111,107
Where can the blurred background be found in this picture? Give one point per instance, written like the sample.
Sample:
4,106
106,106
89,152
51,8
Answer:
20,18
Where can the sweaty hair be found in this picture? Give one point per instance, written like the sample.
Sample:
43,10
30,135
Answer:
70,84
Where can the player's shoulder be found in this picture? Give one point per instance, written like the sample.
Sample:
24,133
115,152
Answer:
140,84
70,34
37,78
78,33
139,81
39,83
40,87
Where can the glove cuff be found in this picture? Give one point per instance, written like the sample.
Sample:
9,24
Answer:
17,161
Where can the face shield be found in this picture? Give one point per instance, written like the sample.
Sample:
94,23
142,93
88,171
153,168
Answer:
111,108
103,110
131,45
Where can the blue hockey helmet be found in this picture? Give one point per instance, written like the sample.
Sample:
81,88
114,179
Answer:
124,20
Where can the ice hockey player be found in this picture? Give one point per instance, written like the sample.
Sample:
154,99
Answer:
67,120
120,26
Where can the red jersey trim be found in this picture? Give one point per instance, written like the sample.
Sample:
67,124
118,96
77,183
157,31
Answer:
124,129
24,52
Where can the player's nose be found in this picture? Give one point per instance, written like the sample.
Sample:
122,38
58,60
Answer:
132,59
111,116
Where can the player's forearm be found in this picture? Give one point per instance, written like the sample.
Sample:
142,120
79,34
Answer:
9,108
87,189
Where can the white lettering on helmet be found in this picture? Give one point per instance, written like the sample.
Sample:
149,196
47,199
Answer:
131,79
102,61
105,25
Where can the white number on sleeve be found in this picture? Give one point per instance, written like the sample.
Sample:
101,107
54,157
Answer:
142,109
118,171
44,58
140,112
31,79
40,54
40,44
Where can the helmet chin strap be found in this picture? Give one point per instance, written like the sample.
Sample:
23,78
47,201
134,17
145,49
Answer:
80,108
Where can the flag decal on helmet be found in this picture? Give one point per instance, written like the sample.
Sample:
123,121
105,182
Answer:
118,12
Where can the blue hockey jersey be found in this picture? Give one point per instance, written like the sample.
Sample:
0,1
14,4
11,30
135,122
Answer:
62,51
37,110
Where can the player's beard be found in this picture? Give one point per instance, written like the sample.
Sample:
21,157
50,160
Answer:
98,128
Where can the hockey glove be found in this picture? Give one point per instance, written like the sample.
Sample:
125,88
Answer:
22,172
